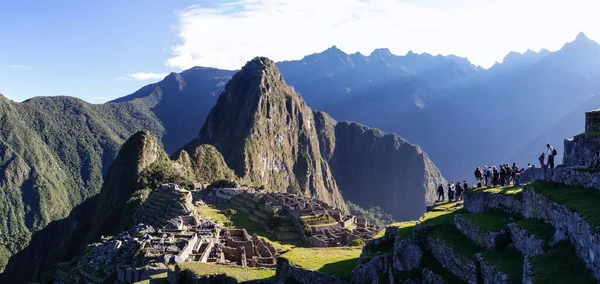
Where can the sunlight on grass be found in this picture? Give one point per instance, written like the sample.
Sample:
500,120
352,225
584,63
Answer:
337,261
508,190
237,272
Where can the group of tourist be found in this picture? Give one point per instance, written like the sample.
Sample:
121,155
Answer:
550,155
502,175
454,191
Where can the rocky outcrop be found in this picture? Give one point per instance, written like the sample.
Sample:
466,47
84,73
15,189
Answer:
490,274
287,271
373,271
429,277
478,201
528,244
532,174
486,239
400,177
527,273
407,255
580,233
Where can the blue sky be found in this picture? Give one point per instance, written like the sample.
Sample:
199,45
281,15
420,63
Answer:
100,50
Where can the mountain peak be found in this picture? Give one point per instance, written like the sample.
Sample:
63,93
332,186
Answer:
381,52
581,37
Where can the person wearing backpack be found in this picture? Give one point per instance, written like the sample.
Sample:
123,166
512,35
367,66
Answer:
478,175
509,174
551,154
488,176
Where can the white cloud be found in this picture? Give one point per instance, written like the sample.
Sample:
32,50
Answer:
16,66
143,76
228,35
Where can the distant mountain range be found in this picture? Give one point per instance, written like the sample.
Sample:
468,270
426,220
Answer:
57,151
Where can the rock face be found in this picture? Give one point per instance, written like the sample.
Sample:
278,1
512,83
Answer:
266,134
463,267
407,255
373,168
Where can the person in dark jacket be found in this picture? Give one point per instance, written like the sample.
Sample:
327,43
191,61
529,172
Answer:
449,193
440,192
495,176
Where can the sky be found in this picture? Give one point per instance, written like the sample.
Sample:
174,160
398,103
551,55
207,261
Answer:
99,50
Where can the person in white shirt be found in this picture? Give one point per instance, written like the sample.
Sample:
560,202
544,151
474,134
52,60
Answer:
550,156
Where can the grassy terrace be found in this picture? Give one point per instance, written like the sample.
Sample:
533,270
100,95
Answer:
509,261
578,199
237,272
337,261
430,262
538,228
561,265
508,190
491,220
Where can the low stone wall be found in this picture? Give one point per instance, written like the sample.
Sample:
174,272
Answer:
486,239
577,229
491,275
462,267
528,244
285,270
429,277
406,256
371,271
577,177
532,174
478,201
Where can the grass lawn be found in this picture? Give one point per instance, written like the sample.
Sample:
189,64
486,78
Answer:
338,261
561,265
237,272
509,261
491,220
507,190
581,200
538,228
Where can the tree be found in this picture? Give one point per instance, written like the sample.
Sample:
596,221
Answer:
229,213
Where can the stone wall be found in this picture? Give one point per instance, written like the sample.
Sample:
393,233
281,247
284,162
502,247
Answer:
532,174
491,275
527,273
577,229
580,150
371,271
577,177
592,121
285,270
463,267
486,239
528,244
478,201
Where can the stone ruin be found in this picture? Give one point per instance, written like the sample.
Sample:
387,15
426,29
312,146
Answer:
165,206
238,247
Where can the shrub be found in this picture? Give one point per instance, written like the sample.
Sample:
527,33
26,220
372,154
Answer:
222,183
357,243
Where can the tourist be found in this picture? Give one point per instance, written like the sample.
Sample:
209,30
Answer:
541,159
517,175
440,191
449,193
551,154
495,176
528,165
502,175
488,176
478,175
453,190
465,186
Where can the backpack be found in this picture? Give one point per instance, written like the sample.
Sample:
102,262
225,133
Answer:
553,152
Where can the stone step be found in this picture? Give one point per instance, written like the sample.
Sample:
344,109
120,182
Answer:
560,265
501,266
433,271
488,229
531,236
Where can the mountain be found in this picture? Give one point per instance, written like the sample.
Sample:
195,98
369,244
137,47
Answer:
56,151
265,131
373,168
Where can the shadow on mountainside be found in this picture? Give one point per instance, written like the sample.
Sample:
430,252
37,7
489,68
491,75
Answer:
59,241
